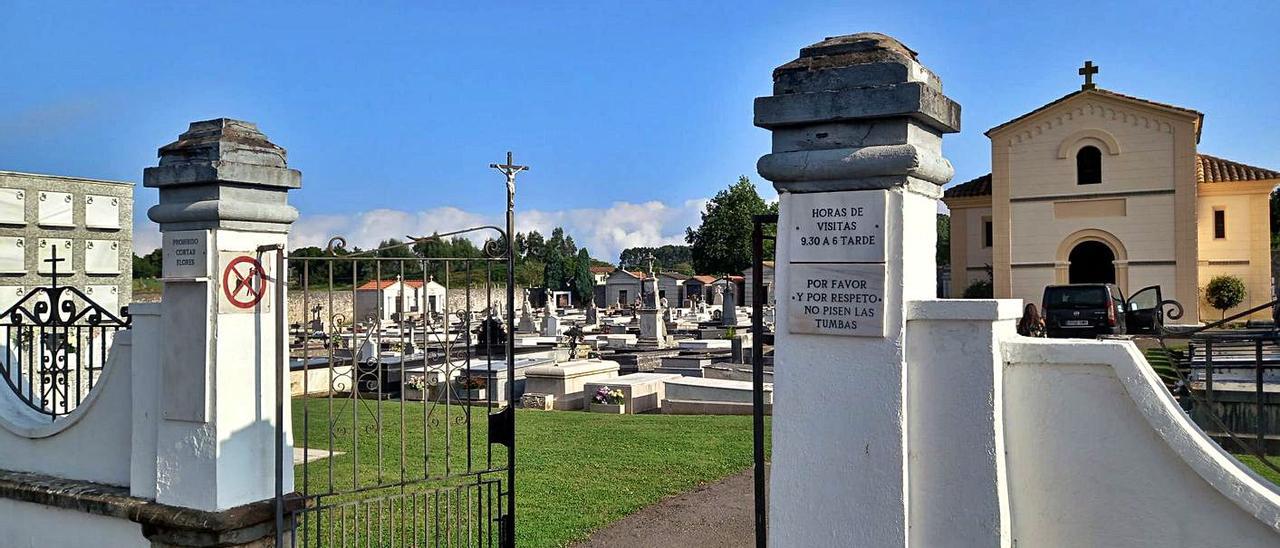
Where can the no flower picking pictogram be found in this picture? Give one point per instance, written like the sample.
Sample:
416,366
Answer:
244,282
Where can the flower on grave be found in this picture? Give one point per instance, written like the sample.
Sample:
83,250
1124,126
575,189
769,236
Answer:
616,397
601,395
472,383
418,383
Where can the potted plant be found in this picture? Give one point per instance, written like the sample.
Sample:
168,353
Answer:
472,388
608,400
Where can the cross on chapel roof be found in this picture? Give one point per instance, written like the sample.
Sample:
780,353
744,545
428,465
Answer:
1088,70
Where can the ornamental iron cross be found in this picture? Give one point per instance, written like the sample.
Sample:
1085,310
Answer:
53,261
1088,70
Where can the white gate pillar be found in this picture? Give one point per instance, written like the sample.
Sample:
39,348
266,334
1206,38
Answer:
223,200
857,128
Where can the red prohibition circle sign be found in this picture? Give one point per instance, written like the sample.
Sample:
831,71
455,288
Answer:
243,282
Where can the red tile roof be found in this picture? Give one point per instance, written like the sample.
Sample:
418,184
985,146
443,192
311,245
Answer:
705,279
602,269
1211,169
383,284
977,187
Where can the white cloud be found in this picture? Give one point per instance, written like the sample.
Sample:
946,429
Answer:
603,231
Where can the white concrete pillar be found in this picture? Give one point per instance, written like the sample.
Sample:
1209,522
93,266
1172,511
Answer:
223,197
857,128
956,457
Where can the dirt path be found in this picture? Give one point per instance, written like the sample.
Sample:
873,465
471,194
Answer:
717,515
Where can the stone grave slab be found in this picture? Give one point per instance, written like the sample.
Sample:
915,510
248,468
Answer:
642,391
705,396
565,381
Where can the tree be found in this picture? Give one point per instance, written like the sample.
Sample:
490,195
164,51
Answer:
722,243
944,239
555,270
149,265
583,283
562,243
1224,292
534,246
667,257
979,289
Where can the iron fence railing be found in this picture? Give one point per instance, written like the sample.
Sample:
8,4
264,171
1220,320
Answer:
1227,378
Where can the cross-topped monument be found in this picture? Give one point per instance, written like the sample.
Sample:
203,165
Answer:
1088,70
649,259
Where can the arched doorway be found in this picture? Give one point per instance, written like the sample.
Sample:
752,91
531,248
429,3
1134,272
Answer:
1091,262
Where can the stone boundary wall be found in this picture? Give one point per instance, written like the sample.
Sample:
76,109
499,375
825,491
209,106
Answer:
342,301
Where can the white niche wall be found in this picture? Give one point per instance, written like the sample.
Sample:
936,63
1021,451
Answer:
13,255
102,212
55,209
100,257
13,206
65,264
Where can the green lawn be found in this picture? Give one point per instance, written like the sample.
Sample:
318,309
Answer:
1252,462
576,471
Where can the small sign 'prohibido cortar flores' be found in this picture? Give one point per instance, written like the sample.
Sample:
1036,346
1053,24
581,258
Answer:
837,264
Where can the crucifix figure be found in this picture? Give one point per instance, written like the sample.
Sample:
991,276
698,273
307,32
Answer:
650,258
1088,70
510,169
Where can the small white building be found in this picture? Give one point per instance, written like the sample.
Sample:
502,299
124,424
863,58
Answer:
398,299
699,285
671,287
622,287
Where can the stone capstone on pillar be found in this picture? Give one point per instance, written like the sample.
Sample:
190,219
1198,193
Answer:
223,173
857,112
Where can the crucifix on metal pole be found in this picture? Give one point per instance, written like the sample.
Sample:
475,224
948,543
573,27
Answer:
508,415
510,169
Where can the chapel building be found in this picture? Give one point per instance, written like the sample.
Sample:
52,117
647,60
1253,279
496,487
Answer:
1098,186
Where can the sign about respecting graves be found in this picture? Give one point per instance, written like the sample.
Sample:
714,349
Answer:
837,227
836,299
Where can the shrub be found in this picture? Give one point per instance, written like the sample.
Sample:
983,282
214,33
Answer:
1224,292
979,289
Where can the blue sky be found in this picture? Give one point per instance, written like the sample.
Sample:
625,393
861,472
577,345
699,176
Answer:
631,114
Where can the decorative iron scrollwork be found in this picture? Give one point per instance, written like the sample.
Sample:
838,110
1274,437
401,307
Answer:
55,349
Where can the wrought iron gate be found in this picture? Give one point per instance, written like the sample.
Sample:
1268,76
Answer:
1223,375
758,294
401,384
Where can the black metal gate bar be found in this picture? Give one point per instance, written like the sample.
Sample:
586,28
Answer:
449,503
758,238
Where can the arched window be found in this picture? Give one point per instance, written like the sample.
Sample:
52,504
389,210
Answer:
1089,166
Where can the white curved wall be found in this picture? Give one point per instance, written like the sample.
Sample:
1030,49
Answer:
93,443
1099,454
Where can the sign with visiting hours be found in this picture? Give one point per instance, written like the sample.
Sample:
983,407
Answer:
836,299
186,254
837,227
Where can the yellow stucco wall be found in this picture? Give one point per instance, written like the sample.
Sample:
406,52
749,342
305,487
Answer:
969,255
1139,209
1245,251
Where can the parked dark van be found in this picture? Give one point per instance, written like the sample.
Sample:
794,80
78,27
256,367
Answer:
1089,310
